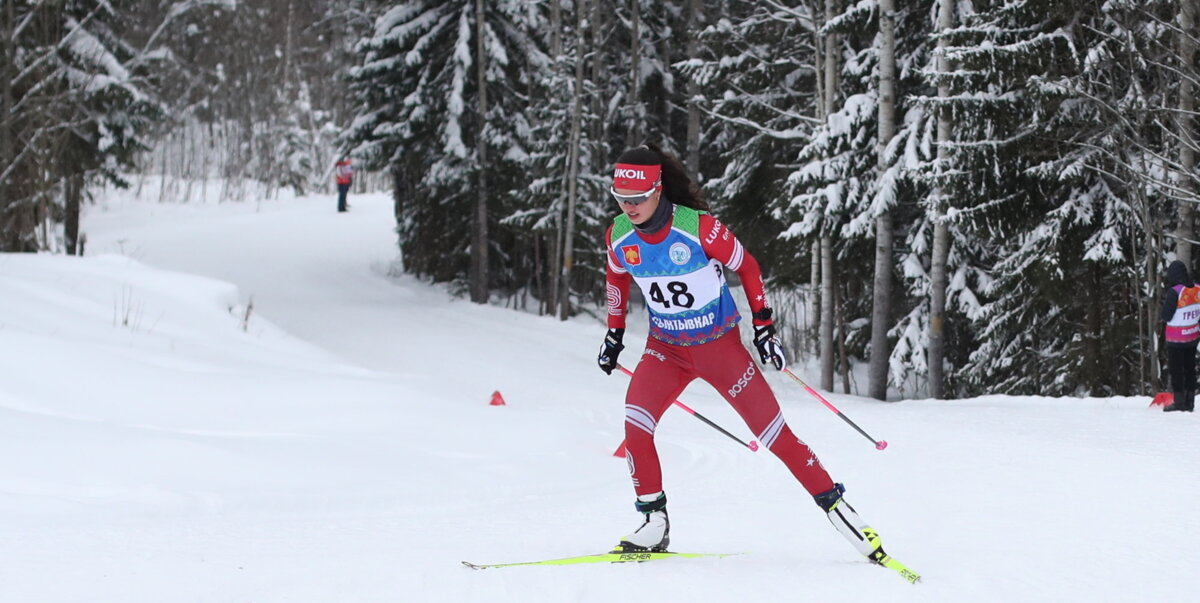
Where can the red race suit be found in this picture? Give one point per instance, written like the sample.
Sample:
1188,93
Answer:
672,360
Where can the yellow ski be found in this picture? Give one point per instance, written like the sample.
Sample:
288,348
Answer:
887,561
612,557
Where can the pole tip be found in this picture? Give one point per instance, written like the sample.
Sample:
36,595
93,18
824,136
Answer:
753,445
880,445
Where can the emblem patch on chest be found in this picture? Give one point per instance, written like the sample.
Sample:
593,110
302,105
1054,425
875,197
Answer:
633,257
680,254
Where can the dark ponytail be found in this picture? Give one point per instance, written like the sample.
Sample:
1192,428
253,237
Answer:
677,186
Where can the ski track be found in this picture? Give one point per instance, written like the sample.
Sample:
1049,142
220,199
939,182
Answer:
344,450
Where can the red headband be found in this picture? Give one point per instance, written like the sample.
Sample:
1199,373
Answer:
636,177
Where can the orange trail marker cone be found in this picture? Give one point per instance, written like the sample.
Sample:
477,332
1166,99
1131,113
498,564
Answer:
620,452
497,399
1162,399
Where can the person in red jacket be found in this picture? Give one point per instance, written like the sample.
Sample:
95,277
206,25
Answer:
666,241
343,174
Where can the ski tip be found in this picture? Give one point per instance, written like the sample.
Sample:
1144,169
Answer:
472,565
911,576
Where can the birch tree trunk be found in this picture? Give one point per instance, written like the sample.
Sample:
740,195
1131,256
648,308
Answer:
941,230
815,289
555,29
634,135
72,201
827,301
1185,232
7,153
814,297
573,168
881,307
827,313
695,15
843,359
398,196
601,27
289,62
550,301
479,227
1093,315
1151,369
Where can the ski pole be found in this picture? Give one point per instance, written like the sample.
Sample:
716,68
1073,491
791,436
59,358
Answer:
879,444
753,446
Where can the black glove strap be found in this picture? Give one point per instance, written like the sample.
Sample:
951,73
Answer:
614,338
763,332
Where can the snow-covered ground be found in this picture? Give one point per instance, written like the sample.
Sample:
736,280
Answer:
236,402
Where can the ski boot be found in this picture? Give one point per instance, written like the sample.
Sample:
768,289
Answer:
1184,401
864,538
654,533
852,527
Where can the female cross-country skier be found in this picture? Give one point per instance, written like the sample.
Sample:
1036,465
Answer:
668,244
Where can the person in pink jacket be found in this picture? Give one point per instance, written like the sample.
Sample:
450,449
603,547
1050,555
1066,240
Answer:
1181,313
343,174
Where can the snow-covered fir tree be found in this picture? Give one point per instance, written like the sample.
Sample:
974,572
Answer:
1066,312
831,192
565,208
759,87
963,126
1039,171
76,99
459,148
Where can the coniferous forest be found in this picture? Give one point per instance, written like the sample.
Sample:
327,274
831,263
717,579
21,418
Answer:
969,197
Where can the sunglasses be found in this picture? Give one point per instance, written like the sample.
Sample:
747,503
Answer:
634,199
